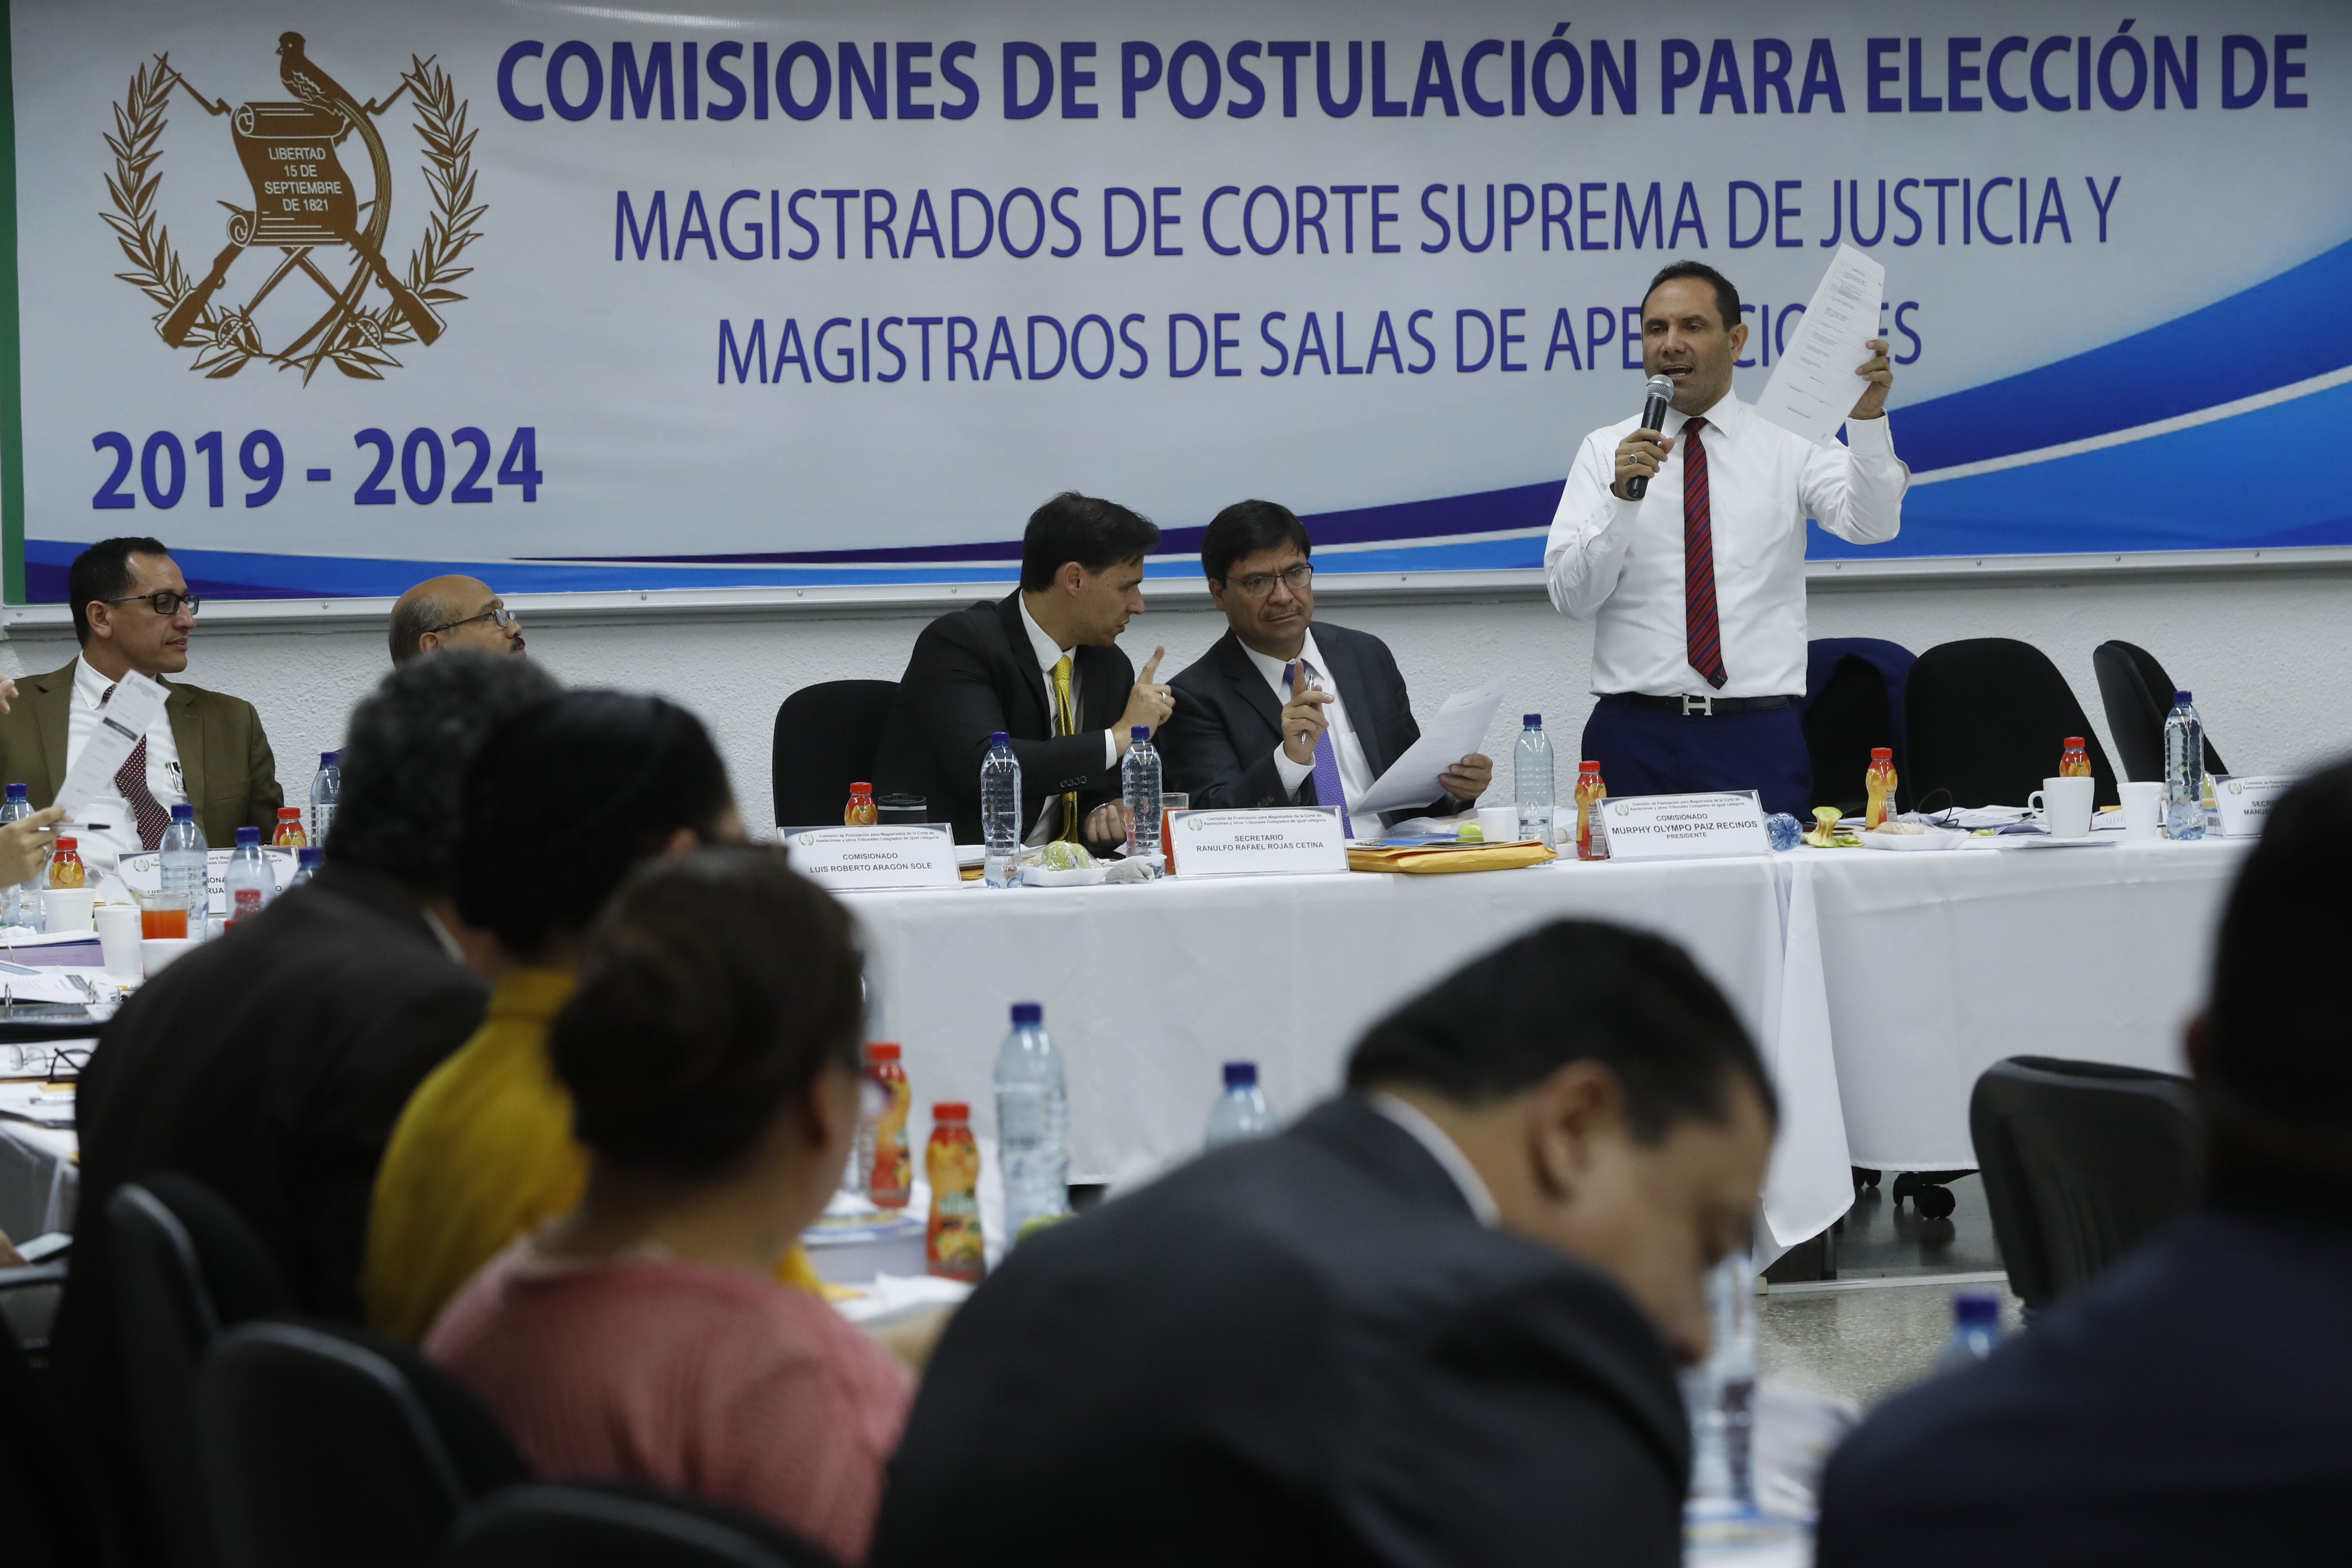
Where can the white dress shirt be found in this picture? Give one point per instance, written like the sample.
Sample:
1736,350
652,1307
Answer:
1620,562
121,836
1356,776
1049,653
1447,1152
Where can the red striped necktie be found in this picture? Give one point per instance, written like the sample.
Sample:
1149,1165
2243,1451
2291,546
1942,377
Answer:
1701,631
131,779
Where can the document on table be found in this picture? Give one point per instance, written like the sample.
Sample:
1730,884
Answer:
136,704
1454,733
1813,387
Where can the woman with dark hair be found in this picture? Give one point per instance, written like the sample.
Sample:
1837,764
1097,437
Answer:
710,1051
558,807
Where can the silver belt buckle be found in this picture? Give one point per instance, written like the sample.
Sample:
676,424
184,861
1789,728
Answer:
1704,707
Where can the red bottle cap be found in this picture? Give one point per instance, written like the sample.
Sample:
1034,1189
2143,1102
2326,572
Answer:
67,843
290,814
1882,753
1587,767
2074,742
861,789
952,1110
881,1052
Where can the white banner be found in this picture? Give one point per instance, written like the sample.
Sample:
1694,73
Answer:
587,297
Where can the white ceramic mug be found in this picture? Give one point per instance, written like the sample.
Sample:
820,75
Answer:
1499,823
119,937
157,953
2064,804
65,908
2143,810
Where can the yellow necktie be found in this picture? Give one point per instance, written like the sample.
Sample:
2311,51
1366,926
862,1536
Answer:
1066,722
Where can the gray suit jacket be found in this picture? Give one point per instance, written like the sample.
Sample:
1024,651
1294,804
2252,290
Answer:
223,754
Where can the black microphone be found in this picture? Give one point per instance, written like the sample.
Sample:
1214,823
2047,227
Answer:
1660,396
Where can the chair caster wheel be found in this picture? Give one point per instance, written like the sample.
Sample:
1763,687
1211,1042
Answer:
1933,1202
1863,1176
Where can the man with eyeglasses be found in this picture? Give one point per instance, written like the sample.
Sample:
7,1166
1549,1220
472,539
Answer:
132,611
453,612
1283,710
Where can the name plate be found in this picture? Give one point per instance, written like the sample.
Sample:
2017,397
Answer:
1285,841
903,855
143,873
2244,800
1686,827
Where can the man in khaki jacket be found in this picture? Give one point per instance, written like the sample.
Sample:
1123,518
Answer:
132,610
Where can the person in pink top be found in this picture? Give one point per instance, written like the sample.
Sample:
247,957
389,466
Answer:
710,1053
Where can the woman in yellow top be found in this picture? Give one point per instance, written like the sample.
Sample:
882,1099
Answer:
557,809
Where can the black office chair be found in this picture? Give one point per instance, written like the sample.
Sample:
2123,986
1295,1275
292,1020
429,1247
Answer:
827,736
326,1444
2081,1161
2137,696
44,1500
615,1527
1985,720
186,1266
1854,701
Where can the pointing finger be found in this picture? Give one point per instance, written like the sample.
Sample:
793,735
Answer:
1152,670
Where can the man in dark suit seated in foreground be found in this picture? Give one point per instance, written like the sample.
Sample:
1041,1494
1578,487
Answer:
1435,1323
2195,1405
1043,666
1283,712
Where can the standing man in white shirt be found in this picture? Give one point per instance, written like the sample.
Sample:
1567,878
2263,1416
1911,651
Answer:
1285,709
132,611
1697,590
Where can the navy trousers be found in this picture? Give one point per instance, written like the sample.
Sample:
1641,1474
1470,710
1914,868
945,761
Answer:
1650,750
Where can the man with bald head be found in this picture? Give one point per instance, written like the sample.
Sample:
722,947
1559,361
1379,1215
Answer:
452,612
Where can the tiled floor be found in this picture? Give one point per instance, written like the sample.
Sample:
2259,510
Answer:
1876,1329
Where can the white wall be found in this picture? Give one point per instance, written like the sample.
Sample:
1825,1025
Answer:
2266,651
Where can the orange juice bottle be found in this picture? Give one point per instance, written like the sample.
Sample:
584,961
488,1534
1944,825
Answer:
1880,781
861,811
2073,762
891,1181
290,834
64,864
1591,835
951,1241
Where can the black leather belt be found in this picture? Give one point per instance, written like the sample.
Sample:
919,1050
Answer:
1700,706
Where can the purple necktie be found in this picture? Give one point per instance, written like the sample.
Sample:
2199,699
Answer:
1328,790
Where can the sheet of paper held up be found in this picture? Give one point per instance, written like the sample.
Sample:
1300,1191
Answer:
1454,731
136,704
1813,387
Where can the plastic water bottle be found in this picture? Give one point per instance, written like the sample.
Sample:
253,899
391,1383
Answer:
1138,779
1000,811
2184,771
1033,1122
1721,1394
1240,1113
1976,1330
13,896
187,876
1531,780
326,792
248,880
306,866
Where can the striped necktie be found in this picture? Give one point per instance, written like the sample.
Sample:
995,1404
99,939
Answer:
131,779
1066,722
1701,631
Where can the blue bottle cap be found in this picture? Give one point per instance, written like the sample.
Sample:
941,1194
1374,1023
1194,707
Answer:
1975,1309
183,811
1139,731
309,855
1532,721
2181,700
1241,1075
15,791
330,759
249,836
1000,738
1028,1013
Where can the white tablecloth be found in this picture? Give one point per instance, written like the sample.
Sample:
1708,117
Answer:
1878,984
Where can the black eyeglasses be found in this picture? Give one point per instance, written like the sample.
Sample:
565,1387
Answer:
166,602
1258,584
498,615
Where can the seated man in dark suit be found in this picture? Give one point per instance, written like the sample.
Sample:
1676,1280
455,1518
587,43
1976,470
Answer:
1435,1323
2194,1406
271,1063
1280,712
1043,666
